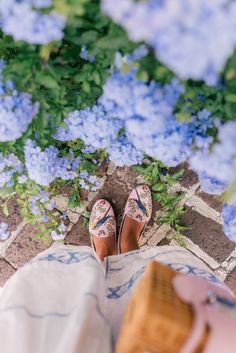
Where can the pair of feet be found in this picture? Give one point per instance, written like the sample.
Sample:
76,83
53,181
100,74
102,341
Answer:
102,223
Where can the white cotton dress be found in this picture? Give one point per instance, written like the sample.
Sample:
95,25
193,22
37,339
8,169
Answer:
66,301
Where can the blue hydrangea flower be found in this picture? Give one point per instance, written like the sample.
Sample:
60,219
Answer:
199,27
229,217
125,96
89,182
84,174
40,3
211,185
16,110
67,166
139,52
83,184
57,235
123,153
43,196
93,125
198,129
44,218
147,111
88,150
4,232
9,166
34,208
39,205
215,167
201,122
62,228
85,55
22,179
60,233
24,22
171,145
45,166
51,205
129,59
41,165
16,113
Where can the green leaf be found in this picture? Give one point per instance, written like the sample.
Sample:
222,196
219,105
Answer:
97,78
155,172
72,201
183,116
48,81
46,50
86,87
5,209
110,43
159,187
142,75
6,191
230,98
89,37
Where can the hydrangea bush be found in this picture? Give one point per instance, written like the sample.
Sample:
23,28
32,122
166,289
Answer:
84,81
199,27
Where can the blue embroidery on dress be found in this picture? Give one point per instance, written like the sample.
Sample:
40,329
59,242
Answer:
149,258
191,270
119,291
70,257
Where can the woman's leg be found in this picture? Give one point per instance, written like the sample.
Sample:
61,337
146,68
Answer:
55,304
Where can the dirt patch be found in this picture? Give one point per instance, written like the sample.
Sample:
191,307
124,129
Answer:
6,271
164,241
231,281
211,200
189,178
103,168
24,248
207,234
79,235
14,218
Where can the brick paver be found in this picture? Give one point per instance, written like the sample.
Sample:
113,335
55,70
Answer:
207,234
24,248
211,200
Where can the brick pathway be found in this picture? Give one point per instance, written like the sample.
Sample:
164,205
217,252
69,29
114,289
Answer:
204,236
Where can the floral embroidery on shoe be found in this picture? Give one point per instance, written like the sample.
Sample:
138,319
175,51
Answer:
102,220
139,204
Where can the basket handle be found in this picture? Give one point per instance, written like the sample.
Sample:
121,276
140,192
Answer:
214,307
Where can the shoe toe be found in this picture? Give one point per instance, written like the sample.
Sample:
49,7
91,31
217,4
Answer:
139,204
102,219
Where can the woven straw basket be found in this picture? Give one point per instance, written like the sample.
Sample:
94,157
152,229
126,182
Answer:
156,320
